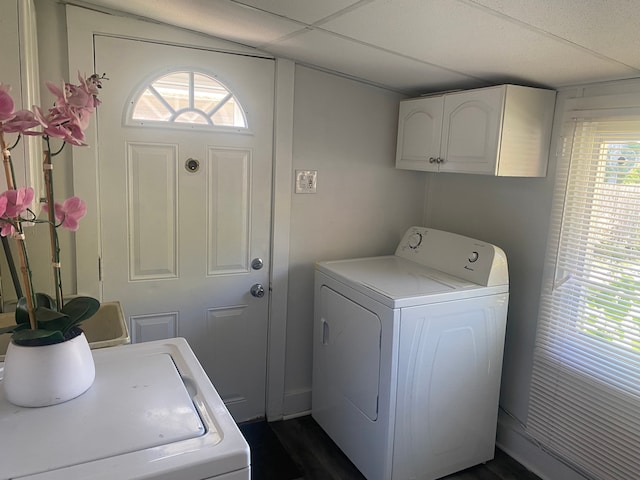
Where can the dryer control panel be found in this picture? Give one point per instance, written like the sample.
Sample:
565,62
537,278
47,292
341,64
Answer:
473,260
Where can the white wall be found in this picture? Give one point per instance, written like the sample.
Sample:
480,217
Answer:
512,213
52,50
52,57
347,132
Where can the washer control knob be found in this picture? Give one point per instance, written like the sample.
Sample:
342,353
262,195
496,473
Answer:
473,257
415,240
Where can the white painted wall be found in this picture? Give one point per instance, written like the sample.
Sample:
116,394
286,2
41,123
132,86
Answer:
52,49
512,213
347,132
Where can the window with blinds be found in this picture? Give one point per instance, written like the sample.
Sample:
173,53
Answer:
585,391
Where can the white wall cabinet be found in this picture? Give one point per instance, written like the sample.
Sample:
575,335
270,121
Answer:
503,131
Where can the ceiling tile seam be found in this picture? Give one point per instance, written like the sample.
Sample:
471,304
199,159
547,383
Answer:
601,56
345,10
265,46
336,14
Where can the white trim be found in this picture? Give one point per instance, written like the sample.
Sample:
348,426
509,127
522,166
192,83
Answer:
281,226
617,103
30,87
296,402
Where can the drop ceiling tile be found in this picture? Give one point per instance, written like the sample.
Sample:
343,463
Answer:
609,28
219,18
462,37
306,11
361,61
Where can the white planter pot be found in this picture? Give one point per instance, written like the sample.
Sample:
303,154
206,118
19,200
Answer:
48,375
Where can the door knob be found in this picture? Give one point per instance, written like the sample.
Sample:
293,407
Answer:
257,290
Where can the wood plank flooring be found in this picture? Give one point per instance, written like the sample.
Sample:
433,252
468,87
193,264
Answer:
312,455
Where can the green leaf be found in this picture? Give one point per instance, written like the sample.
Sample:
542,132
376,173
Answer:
51,320
8,329
80,308
29,338
13,328
42,300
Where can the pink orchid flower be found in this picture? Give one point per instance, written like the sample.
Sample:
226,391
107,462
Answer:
93,85
60,124
6,103
22,121
6,228
69,213
3,205
17,200
76,97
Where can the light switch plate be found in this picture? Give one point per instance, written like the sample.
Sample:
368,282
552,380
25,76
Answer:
306,181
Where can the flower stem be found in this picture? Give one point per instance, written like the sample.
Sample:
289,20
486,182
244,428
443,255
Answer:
22,247
26,277
53,235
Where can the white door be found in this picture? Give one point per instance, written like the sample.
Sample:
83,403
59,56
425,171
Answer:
185,207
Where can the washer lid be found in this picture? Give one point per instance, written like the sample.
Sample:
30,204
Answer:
397,282
130,407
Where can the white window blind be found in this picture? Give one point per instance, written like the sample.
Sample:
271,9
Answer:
585,391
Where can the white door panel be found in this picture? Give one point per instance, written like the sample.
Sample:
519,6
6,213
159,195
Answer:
177,243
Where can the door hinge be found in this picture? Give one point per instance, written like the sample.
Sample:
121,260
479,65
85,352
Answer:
99,269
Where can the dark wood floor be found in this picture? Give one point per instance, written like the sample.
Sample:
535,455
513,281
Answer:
298,449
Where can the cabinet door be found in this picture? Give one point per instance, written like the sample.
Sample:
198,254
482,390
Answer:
419,130
470,132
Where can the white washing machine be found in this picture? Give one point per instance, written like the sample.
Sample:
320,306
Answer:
152,413
408,352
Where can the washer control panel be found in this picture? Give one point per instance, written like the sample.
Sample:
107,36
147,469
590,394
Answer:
415,240
454,254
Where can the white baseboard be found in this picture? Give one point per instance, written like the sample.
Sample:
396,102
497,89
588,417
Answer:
297,403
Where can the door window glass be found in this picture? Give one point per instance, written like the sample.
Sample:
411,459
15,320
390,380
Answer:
187,98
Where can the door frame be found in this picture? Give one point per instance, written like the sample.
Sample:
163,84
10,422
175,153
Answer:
82,26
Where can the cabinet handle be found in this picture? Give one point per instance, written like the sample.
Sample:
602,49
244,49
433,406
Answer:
433,160
440,160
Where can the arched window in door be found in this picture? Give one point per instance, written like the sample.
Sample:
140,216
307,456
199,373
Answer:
186,99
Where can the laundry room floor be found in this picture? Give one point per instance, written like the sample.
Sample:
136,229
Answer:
298,449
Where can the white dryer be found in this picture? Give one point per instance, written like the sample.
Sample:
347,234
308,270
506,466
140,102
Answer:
408,352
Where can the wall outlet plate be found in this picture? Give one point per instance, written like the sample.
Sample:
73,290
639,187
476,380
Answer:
306,181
